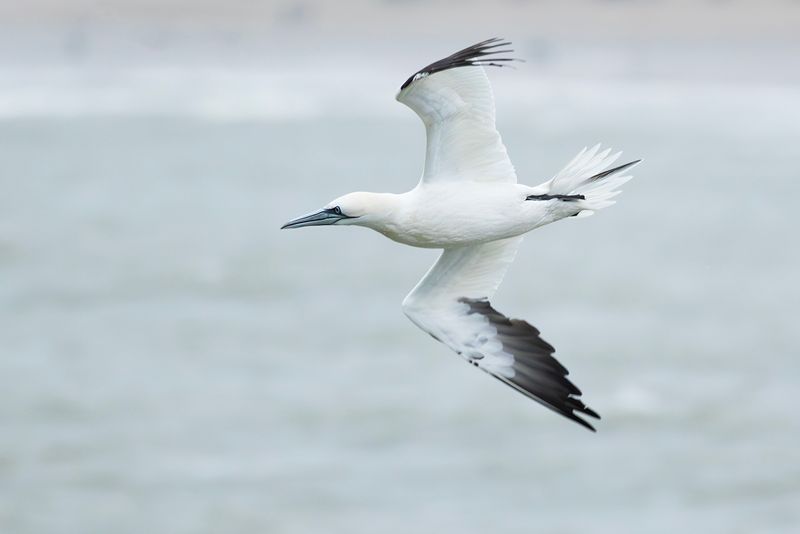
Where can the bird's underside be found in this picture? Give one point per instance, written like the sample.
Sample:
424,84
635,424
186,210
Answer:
452,302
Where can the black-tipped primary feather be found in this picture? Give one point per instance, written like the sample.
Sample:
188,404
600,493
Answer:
472,56
537,374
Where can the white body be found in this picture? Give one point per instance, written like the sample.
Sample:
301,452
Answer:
443,216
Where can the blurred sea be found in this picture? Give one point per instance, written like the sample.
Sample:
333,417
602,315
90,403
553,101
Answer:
171,362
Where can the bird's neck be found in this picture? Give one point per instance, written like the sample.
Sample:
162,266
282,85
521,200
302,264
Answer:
385,212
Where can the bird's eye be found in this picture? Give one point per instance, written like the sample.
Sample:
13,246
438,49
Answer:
337,210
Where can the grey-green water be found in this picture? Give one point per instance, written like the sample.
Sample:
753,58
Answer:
172,362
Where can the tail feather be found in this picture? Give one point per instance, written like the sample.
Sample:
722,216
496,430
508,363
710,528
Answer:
588,175
616,169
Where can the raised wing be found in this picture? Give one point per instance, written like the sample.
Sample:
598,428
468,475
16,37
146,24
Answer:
454,99
451,303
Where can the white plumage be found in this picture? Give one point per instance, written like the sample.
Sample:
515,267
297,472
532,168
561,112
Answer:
457,108
468,202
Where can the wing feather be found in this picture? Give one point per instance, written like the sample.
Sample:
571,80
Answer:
451,303
454,99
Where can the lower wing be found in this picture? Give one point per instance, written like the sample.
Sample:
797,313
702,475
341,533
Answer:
451,303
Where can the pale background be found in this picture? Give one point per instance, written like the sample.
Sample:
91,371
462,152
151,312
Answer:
171,362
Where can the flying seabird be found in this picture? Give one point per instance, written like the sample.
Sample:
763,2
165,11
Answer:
469,204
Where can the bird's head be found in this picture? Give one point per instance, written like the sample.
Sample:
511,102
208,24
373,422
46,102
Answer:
363,209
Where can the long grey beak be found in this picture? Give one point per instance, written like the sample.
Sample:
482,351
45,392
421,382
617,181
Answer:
319,218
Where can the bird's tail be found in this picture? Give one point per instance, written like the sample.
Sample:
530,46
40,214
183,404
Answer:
589,176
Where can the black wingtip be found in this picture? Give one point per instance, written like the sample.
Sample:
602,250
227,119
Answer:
584,410
537,374
567,412
590,412
472,56
584,424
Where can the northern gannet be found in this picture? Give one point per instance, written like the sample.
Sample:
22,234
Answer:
469,204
